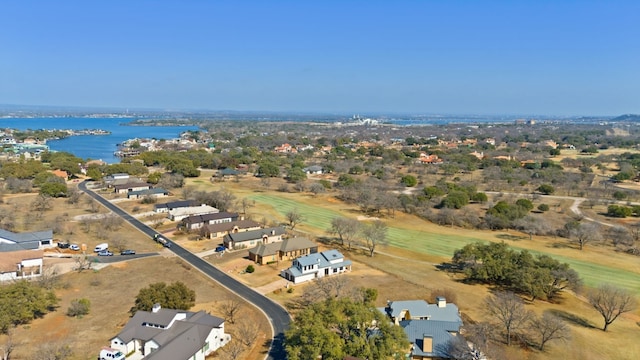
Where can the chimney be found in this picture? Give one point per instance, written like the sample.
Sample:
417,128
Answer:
156,308
427,343
442,301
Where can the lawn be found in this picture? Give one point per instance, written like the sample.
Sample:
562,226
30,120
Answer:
442,242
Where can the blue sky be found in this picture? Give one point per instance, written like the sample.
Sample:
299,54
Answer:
428,57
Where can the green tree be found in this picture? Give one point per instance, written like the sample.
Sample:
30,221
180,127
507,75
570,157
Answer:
526,204
296,174
23,301
268,169
335,328
546,189
54,189
543,207
455,200
409,181
480,197
175,296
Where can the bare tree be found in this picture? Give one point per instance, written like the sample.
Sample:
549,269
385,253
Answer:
317,188
345,228
41,204
9,345
611,302
549,327
508,310
586,233
230,308
245,204
73,195
52,351
49,277
332,286
294,217
232,350
374,234
247,332
83,262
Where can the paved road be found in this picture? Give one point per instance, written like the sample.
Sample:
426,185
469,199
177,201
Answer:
277,315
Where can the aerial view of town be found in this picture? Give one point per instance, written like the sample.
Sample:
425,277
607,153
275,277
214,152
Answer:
336,180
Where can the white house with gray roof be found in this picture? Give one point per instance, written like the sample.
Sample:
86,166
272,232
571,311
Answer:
315,266
171,334
10,241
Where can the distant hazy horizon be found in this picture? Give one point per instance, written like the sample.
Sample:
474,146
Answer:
561,58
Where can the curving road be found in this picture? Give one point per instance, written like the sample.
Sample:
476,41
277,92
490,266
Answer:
276,314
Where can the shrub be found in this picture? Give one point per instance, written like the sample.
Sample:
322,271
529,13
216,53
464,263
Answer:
290,290
79,307
543,207
250,269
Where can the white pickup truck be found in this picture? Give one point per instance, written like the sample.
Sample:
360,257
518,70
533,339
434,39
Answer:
110,354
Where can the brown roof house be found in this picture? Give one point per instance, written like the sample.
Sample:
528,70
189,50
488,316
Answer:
287,249
171,334
20,264
249,239
213,231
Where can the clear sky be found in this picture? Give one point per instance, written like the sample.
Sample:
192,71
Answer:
461,57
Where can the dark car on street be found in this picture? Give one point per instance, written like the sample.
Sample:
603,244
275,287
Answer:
128,252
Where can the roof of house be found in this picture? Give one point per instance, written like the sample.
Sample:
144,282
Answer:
421,308
26,240
176,204
292,244
228,171
439,331
192,210
149,191
180,341
9,260
255,234
131,185
322,259
313,168
228,226
196,219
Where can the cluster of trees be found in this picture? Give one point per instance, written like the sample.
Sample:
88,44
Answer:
339,327
23,301
351,231
173,296
539,277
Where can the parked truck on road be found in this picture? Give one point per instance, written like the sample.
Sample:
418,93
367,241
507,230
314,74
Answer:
162,240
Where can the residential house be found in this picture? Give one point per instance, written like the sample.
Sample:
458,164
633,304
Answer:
315,266
313,169
284,250
154,193
551,143
20,264
61,174
180,213
10,241
249,239
165,207
131,186
171,334
194,222
285,148
429,327
478,155
429,159
213,231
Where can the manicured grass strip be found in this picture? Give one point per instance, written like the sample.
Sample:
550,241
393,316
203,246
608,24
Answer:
444,245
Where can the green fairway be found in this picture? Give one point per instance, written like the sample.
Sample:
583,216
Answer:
444,245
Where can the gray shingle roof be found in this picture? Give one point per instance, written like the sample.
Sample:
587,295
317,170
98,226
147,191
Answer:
255,234
196,219
291,244
176,204
241,224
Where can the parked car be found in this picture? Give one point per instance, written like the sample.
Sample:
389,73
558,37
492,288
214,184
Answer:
63,245
220,249
101,247
74,247
128,252
111,354
105,253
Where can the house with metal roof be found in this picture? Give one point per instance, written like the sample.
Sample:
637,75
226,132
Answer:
421,310
315,266
249,239
153,192
165,207
194,222
284,250
171,334
180,213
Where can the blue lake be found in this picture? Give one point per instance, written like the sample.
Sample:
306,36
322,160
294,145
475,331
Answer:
94,146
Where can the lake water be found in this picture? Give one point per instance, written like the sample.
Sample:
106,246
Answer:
94,146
